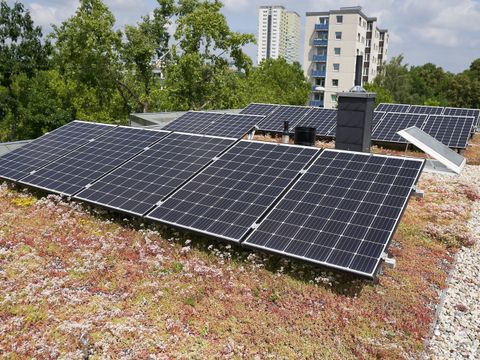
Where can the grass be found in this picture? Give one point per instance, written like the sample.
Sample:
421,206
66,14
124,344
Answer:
74,278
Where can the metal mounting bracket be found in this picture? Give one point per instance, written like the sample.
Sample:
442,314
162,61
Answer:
390,262
417,192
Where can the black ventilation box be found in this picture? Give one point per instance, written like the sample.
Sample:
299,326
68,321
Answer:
354,121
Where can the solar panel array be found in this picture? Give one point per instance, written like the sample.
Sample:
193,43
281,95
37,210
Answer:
440,123
453,131
139,184
333,208
274,122
392,122
259,109
342,212
19,163
71,173
215,124
226,198
324,120
462,112
393,107
430,110
193,122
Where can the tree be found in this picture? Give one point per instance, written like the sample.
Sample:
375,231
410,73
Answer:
382,94
428,84
206,59
21,53
395,78
277,82
86,52
146,44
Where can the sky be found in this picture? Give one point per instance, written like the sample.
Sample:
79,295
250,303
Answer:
444,32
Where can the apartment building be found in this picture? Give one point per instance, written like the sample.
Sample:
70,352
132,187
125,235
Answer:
278,34
333,39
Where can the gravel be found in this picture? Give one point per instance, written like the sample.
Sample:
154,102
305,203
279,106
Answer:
457,332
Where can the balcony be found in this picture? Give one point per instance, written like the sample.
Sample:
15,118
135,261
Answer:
319,58
320,42
316,103
321,27
318,73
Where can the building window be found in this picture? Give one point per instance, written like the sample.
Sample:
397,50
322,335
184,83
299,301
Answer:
358,37
335,82
339,19
323,20
336,67
363,40
338,35
360,21
334,98
338,51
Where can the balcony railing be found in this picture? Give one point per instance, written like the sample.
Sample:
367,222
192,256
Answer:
318,73
321,26
318,88
319,58
320,42
316,103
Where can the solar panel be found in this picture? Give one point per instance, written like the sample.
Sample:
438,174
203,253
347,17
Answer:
453,131
324,120
391,123
71,173
228,196
194,122
38,153
139,184
377,117
274,122
233,125
215,124
463,112
259,109
402,108
429,110
342,212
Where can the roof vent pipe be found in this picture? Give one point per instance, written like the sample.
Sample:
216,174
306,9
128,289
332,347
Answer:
286,133
357,86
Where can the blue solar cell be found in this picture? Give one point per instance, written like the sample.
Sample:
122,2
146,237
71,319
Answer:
226,198
71,173
139,184
342,212
19,163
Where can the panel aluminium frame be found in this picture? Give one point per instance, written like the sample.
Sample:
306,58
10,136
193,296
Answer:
170,136
309,152
297,187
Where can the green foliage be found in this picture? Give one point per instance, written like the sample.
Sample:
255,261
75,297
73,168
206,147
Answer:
383,94
277,82
86,54
207,58
21,52
427,85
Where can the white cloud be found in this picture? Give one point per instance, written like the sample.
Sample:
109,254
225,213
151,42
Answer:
442,37
236,5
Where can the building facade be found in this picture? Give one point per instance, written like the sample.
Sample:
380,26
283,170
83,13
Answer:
278,34
333,39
